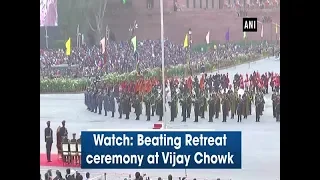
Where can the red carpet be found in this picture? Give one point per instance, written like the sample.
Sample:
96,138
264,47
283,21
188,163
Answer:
55,161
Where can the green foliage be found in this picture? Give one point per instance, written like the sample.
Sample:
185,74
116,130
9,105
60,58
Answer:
67,85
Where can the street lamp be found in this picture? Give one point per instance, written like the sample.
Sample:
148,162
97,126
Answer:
190,43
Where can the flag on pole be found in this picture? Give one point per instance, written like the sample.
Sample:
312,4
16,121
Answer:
103,45
262,31
68,47
208,37
276,28
227,36
244,35
185,43
134,43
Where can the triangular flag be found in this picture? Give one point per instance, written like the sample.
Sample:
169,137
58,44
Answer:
276,28
262,31
244,35
68,47
103,45
185,43
134,43
208,37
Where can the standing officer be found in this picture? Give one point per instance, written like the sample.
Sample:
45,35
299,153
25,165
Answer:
48,140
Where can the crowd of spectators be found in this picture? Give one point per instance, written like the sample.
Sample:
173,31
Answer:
88,61
252,4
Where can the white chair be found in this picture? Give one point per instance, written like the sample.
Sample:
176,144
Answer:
79,153
65,153
73,152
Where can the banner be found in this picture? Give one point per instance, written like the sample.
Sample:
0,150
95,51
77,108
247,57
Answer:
163,149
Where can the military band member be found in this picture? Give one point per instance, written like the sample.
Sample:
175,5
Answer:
126,106
173,106
274,103
278,110
196,106
49,140
240,108
94,101
211,103
232,100
189,104
137,106
217,106
100,101
184,107
225,108
147,102
120,105
112,104
105,103
159,107
258,104
203,105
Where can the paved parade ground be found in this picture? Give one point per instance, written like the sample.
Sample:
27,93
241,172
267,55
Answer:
260,141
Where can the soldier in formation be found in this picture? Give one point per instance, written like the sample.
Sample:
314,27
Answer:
213,93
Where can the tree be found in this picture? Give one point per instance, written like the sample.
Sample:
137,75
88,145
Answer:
70,15
94,12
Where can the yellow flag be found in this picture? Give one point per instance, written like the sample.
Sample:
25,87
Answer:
276,28
134,43
185,43
68,47
244,35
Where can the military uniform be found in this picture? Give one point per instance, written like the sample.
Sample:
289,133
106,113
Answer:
240,109
274,103
159,107
137,106
105,103
112,105
189,104
99,101
217,107
173,107
184,107
126,106
196,106
147,102
258,103
49,140
225,109
211,108
278,110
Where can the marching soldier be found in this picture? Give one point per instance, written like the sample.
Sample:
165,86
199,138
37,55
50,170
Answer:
90,100
274,103
225,108
137,106
147,102
217,106
49,140
203,105
184,107
120,105
159,107
106,103
112,104
173,105
196,106
189,104
99,101
94,101
258,103
232,99
277,109
126,106
211,107
240,108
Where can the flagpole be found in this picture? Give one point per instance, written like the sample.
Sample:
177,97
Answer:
78,44
105,47
47,46
162,59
